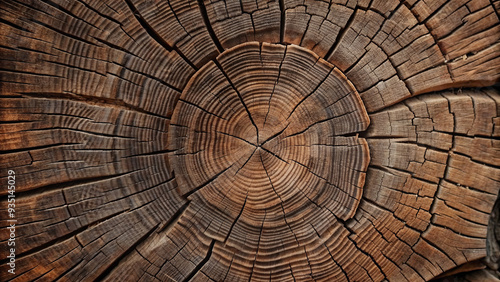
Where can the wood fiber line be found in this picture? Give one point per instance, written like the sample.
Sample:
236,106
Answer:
251,140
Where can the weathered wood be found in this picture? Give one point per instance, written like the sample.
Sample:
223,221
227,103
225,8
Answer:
171,140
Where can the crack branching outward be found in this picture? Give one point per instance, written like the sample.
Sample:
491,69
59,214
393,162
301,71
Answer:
248,159
237,218
92,100
202,109
186,195
275,84
206,20
239,96
274,136
124,254
312,92
258,245
201,264
341,34
282,21
154,34
237,137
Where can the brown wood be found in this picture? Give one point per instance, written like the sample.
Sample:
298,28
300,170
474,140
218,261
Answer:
175,140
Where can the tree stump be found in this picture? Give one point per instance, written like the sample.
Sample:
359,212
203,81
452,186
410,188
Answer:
182,140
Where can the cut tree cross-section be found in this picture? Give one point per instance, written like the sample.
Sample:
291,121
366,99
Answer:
285,140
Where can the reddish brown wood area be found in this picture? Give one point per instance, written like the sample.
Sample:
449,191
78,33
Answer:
252,140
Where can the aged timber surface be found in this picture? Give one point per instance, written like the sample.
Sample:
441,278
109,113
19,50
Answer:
252,140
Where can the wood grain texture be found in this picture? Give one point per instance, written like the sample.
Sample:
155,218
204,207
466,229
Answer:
287,140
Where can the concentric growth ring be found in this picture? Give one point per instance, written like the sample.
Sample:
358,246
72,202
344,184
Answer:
269,126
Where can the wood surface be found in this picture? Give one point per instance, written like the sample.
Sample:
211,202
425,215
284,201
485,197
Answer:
252,140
